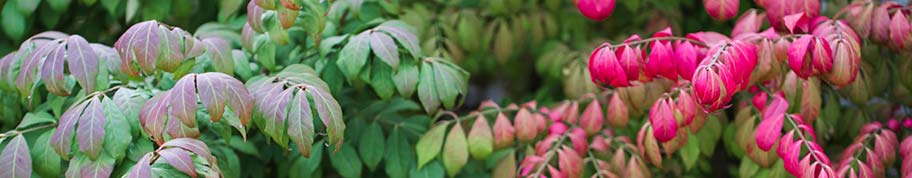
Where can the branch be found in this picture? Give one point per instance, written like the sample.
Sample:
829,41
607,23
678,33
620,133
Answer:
647,40
18,132
549,155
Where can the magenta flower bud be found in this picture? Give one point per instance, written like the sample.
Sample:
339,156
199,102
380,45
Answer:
617,112
749,23
809,56
596,9
605,69
687,60
721,10
846,52
631,59
907,123
759,101
592,118
708,88
859,16
661,61
893,124
900,32
687,108
557,128
880,22
578,138
662,119
770,128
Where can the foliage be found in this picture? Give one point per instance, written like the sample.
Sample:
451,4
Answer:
455,88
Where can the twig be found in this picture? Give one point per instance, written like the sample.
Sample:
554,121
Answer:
18,132
549,155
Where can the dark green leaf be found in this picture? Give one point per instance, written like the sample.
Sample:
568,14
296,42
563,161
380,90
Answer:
432,170
406,78
346,162
33,119
427,89
354,55
117,130
371,145
691,152
45,162
382,80
400,157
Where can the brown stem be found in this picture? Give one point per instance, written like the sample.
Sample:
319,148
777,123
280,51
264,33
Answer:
801,135
549,155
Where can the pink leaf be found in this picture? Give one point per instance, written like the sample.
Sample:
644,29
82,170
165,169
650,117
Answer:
721,10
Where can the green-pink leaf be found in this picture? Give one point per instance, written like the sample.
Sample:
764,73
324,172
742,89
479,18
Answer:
90,130
140,44
183,100
180,159
83,62
63,136
52,72
330,113
142,169
455,153
153,115
220,53
300,123
15,160
385,48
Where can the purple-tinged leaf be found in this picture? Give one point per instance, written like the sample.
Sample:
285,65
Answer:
152,116
142,169
183,100
191,145
247,35
52,72
330,113
82,62
107,56
178,130
172,55
179,159
63,136
212,94
99,168
140,44
385,48
300,123
28,72
277,109
15,160
220,53
405,37
254,16
287,17
235,94
90,130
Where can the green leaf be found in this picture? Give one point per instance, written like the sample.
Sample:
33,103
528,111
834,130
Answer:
26,7
429,144
506,167
691,151
455,153
747,168
315,17
406,78
384,47
227,8
354,55
266,53
432,170
427,90
132,7
45,162
382,80
480,139
371,146
59,5
111,6
709,135
305,167
497,156
13,22
33,119
346,162
399,155
117,130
